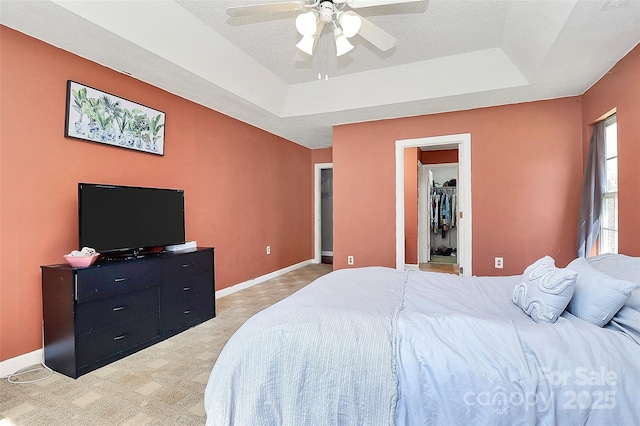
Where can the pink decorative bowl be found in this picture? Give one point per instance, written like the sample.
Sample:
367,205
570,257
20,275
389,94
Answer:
81,261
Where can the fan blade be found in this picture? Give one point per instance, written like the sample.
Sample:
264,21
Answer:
376,35
354,4
258,9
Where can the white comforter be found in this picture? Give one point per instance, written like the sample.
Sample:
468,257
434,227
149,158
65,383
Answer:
376,346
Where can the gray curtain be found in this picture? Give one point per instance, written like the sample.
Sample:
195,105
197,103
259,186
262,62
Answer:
593,187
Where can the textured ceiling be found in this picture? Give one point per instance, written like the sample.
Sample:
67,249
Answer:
450,55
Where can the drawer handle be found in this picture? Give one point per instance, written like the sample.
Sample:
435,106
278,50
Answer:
186,288
120,337
119,280
118,308
188,311
187,265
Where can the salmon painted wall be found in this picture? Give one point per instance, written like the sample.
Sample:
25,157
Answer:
620,89
526,173
244,188
323,155
440,156
411,158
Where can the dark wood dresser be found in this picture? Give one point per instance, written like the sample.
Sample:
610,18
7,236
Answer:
99,314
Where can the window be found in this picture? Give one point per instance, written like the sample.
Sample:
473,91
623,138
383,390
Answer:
609,221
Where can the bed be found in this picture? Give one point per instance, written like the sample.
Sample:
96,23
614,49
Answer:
378,346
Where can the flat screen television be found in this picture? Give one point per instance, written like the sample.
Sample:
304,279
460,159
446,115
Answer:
119,220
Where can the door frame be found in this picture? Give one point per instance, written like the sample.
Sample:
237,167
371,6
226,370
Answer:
463,143
317,209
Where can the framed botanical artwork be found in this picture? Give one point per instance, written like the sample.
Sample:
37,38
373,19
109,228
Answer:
96,116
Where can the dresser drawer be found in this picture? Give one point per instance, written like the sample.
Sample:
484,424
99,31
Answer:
186,264
92,347
105,281
179,290
186,313
92,316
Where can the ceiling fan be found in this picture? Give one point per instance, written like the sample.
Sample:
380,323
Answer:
317,13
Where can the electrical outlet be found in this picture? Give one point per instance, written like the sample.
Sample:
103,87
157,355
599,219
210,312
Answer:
268,249
498,263
349,260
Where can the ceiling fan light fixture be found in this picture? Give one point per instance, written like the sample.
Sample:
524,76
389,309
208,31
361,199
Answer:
307,23
350,22
306,44
342,44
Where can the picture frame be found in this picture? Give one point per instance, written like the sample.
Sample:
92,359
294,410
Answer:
96,116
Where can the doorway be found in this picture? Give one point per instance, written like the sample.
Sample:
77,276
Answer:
463,144
437,215
323,213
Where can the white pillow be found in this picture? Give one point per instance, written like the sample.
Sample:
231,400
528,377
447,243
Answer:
622,267
619,266
598,296
544,290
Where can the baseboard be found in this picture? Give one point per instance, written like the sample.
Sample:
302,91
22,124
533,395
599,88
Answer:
241,286
11,365
411,267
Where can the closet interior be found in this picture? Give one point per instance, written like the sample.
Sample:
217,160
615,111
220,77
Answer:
442,224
